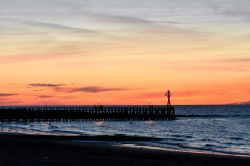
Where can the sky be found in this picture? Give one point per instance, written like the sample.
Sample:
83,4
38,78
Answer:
124,52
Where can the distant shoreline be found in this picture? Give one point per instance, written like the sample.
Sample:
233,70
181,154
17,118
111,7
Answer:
19,149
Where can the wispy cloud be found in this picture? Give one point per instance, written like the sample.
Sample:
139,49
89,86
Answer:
45,96
38,57
9,102
69,89
56,26
5,99
7,94
88,89
96,89
109,18
233,9
237,11
143,24
45,85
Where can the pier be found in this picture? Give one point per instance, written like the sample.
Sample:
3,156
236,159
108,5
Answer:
88,113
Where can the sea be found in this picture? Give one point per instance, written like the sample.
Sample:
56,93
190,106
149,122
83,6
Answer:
223,129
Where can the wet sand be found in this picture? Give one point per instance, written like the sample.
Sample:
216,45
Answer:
26,150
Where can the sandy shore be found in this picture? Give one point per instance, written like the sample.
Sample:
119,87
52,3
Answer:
25,150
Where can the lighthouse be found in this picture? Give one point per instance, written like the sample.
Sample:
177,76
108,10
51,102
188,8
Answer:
169,109
168,94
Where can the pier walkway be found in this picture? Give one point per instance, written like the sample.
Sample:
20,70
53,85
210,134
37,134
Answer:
88,113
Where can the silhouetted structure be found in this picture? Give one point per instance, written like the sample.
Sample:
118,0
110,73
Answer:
170,108
168,94
89,113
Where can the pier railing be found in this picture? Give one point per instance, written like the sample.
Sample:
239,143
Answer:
88,113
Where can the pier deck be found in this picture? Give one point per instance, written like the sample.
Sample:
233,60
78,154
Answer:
88,113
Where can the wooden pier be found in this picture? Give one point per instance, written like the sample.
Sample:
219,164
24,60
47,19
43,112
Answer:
88,113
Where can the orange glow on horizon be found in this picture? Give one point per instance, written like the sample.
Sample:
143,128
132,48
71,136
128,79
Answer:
70,55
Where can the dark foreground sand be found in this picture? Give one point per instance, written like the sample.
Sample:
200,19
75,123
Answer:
24,150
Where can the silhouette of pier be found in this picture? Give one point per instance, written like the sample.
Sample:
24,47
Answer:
88,113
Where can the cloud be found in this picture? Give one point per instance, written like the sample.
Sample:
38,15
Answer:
144,25
4,100
45,85
56,26
233,9
8,102
7,94
241,13
96,89
126,19
68,89
88,89
109,18
45,96
236,10
36,57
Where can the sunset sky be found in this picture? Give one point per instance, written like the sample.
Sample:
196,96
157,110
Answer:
124,51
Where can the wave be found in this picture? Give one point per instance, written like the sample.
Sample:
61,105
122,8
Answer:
111,138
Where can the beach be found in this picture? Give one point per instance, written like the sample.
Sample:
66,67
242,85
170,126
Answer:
20,149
